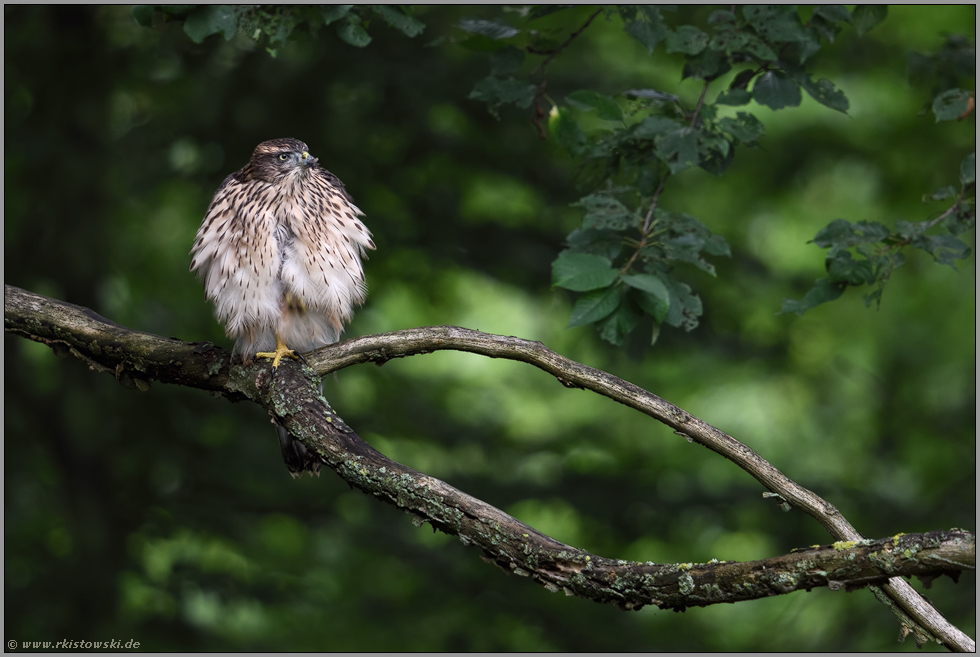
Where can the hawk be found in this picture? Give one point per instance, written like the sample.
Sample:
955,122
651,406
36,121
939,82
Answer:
280,252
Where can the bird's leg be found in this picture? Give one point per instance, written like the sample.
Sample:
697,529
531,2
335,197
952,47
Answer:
282,351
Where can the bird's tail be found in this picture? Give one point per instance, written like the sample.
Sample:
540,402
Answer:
298,458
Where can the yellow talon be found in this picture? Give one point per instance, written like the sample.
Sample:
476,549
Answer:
282,351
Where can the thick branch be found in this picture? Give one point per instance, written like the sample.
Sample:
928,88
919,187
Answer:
292,396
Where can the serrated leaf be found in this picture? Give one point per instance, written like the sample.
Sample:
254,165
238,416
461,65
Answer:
603,211
506,61
744,127
581,272
834,13
776,90
722,19
595,305
685,306
945,248
587,100
399,20
734,97
653,94
943,192
865,17
211,19
351,31
620,323
716,154
843,268
679,149
607,243
654,126
496,91
844,234
729,42
490,29
950,104
706,66
968,169
825,93
333,13
651,294
645,24
687,39
759,48
778,23
823,291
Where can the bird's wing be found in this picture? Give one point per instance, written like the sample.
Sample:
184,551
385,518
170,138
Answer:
236,254
322,263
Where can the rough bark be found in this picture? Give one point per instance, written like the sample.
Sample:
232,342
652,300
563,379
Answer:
292,396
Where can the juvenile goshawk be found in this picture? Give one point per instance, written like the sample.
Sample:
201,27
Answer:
280,252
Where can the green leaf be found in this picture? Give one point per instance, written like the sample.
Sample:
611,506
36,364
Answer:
586,100
595,305
606,243
945,248
651,294
716,154
943,192
679,149
603,211
685,306
843,268
759,48
566,131
842,233
822,292
652,94
777,23
968,169
490,29
351,31
398,19
620,323
950,104
506,61
744,127
776,90
644,23
496,91
825,93
729,42
706,66
734,97
687,39
333,13
582,272
723,20
654,126
211,19
865,17
144,14
834,13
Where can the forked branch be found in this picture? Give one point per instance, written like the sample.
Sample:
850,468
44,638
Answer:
137,359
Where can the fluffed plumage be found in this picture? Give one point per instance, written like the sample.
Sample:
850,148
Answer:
280,252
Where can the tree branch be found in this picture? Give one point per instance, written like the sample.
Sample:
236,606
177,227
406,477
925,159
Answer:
292,396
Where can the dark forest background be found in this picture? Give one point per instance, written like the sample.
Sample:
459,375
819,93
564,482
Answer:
168,516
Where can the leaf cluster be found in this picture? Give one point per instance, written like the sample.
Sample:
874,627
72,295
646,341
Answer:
866,253
276,25
623,257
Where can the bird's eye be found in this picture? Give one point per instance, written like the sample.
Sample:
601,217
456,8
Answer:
283,156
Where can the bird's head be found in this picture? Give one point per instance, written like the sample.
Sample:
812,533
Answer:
278,160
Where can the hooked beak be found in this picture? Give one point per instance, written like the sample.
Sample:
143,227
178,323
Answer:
307,160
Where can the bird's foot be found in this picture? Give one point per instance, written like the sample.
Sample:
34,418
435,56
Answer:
282,351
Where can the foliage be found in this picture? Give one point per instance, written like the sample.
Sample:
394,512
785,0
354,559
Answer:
173,509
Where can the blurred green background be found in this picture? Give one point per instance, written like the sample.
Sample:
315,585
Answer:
168,517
